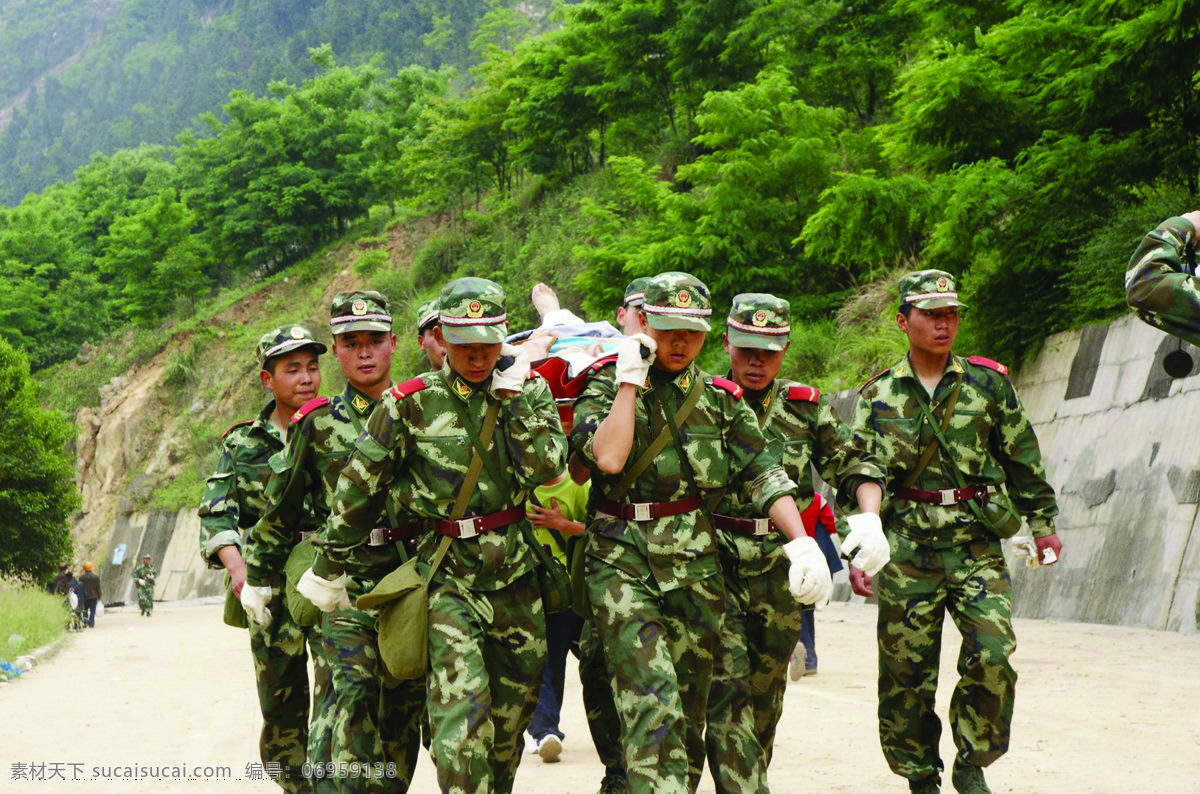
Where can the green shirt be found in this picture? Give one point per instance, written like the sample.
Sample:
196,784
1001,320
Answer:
1156,286
992,437
235,495
812,435
572,499
726,449
416,444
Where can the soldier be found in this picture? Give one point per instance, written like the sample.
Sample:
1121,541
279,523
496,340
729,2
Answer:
652,570
372,723
234,500
427,320
144,576
947,510
762,620
487,643
1160,279
603,721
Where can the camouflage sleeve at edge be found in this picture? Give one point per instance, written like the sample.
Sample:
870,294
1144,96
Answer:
1155,286
844,458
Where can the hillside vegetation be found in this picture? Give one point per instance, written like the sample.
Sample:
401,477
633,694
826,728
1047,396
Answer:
809,148
83,77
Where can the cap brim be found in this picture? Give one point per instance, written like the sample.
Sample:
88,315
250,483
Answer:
678,322
361,325
938,303
772,342
474,334
296,344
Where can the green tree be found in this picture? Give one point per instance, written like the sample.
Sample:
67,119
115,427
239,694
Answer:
37,492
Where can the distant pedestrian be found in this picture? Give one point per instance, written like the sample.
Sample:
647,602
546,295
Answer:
144,576
58,585
91,593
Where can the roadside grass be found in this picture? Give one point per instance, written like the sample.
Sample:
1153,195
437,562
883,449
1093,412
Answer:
30,616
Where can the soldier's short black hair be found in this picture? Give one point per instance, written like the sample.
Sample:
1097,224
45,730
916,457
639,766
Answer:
906,309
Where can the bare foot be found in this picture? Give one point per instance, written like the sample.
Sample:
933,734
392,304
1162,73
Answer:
544,299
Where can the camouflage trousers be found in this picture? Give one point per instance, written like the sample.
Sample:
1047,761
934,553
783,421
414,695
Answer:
487,652
762,625
376,719
915,589
660,648
146,599
287,738
598,703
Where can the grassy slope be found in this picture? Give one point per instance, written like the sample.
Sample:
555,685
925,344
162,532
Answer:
31,616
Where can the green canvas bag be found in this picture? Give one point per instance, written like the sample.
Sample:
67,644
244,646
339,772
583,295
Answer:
304,612
403,595
235,613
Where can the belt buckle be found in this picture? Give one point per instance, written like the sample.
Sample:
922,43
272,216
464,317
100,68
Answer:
376,537
641,511
947,496
762,526
466,528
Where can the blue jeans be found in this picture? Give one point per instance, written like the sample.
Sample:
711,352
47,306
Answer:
89,611
808,637
562,629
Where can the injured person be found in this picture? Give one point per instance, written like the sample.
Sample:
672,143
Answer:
564,335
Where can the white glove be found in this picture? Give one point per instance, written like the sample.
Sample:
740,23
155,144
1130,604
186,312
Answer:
808,578
139,582
255,600
866,535
632,367
1024,546
325,595
511,378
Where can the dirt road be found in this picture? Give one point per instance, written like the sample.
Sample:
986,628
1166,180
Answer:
1100,709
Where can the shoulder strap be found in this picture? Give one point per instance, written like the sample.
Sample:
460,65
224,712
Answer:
684,464
948,451
931,447
658,444
468,486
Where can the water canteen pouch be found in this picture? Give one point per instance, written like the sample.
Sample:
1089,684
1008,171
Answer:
552,575
235,613
304,612
997,514
403,595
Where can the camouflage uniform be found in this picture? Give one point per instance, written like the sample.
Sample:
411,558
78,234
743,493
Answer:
144,575
654,584
594,677
234,500
1160,283
487,645
943,558
762,619
372,722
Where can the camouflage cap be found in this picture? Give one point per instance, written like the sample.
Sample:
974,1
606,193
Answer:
677,301
285,339
471,311
635,293
364,310
427,315
928,289
759,320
